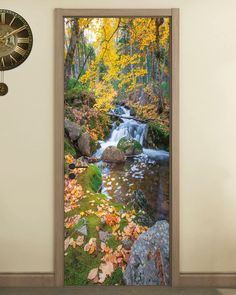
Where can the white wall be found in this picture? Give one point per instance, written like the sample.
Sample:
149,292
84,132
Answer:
207,137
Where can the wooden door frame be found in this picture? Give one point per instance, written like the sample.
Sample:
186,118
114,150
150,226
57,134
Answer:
59,129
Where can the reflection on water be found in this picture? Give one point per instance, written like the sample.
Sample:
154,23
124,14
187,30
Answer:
152,177
148,171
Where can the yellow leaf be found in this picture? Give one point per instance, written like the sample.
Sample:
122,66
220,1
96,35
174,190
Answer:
90,246
72,243
92,249
115,228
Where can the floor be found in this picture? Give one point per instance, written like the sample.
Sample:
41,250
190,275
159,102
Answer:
116,291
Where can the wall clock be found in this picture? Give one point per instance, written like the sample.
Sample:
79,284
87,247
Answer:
16,42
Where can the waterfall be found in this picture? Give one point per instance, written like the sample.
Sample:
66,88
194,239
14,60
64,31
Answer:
130,128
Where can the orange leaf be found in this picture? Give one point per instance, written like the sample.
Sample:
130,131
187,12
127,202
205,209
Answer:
92,249
90,246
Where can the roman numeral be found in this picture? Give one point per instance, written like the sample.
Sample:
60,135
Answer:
2,62
23,40
20,50
12,59
12,20
3,18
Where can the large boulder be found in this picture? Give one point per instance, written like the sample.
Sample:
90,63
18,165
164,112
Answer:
157,136
113,154
74,130
149,258
84,144
129,146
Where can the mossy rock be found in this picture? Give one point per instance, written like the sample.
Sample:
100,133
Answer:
129,146
158,136
91,179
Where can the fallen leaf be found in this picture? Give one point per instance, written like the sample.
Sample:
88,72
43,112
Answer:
92,249
92,274
119,248
102,277
107,268
66,243
115,228
111,219
80,240
103,246
72,242
91,246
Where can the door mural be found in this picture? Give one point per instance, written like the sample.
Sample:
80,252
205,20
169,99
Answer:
116,143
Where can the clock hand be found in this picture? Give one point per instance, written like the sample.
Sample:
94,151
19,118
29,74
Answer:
15,31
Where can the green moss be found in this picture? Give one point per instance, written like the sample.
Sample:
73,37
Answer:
85,202
92,123
127,144
113,243
83,129
91,179
158,135
115,279
68,114
93,146
78,264
104,120
68,147
137,145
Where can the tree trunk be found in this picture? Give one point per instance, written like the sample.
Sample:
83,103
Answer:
158,23
71,51
76,63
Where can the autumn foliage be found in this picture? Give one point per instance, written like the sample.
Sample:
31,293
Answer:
108,61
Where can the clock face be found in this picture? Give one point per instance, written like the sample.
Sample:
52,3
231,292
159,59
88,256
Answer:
16,40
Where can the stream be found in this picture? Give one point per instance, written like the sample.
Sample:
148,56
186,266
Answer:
148,171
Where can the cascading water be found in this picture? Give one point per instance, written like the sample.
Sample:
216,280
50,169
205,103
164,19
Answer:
148,172
130,128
